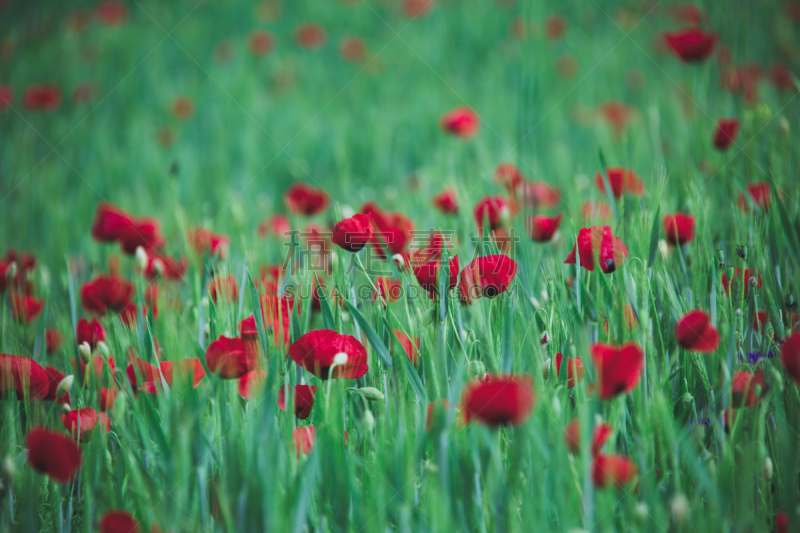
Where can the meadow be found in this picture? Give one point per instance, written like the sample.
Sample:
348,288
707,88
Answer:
399,265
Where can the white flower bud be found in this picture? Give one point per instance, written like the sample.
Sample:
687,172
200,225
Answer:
11,271
102,347
66,408
641,513
679,509
768,469
398,260
368,421
9,468
158,266
64,386
372,394
141,257
45,275
663,248
340,359
556,403
85,351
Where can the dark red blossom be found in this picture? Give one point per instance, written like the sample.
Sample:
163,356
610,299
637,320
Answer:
251,382
165,266
260,42
118,522
417,8
52,340
303,439
461,122
353,233
231,358
106,293
428,275
678,228
598,244
747,388
316,350
352,49
508,175
595,211
303,199
619,368
91,332
534,195
782,521
81,422
392,230
612,469
725,133
277,318
790,356
138,369
55,377
26,308
691,45
276,225
622,180
759,195
541,227
303,400
493,209
96,366
112,224
310,36
204,241
389,290
695,332
687,13
446,201
53,454
44,97
106,397
24,375
499,400
189,370
182,107
743,284
575,371
555,26
600,435
617,115
779,75
486,276
410,347
225,287
111,12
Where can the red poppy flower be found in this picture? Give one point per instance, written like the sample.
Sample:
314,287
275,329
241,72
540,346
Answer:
187,370
446,201
427,275
97,365
55,377
619,368
508,175
492,208
52,454
260,42
598,240
534,195
231,358
111,12
417,8
617,115
779,75
303,439
781,521
52,340
316,350
790,356
352,49
725,134
113,224
81,422
45,97
277,225
542,228
224,286
678,228
745,283
250,382
389,290
461,122
612,469
410,347
146,372
555,27
687,13
24,375
183,107
436,413
26,308
204,241
575,371
6,96
695,332
118,522
303,400
691,45
303,199
595,211
744,387
622,180
572,437
91,332
392,230
310,36
353,233
759,195
106,397
105,293
499,400
165,266
277,317
486,276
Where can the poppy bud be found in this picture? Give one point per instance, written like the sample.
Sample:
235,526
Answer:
476,369
768,469
102,347
398,260
85,351
752,281
371,393
340,359
11,271
641,513
64,386
66,408
679,508
9,468
546,369
141,258
368,421
663,247
721,258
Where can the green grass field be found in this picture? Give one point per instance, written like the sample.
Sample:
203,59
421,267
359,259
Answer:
198,115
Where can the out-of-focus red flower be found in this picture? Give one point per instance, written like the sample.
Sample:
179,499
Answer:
622,180
599,242
224,286
113,224
392,230
26,308
277,225
310,36
541,227
410,347
745,282
759,194
189,370
352,49
104,293
619,368
316,350
695,333
691,45
111,12
575,371
595,211
744,387
165,266
55,377
508,175
436,413
534,195
81,422
779,75
437,243
96,366
555,27
183,107
52,454
499,400
92,332
261,42
781,521
303,199
417,8
204,241
567,66
303,400
6,96
686,13
303,439
493,209
612,470
446,201
138,369
427,275
790,356
486,276
118,522
231,358
251,382
106,397
617,115
277,317
44,97
353,233
389,290
678,228
726,132
82,93
462,122
24,375
572,437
